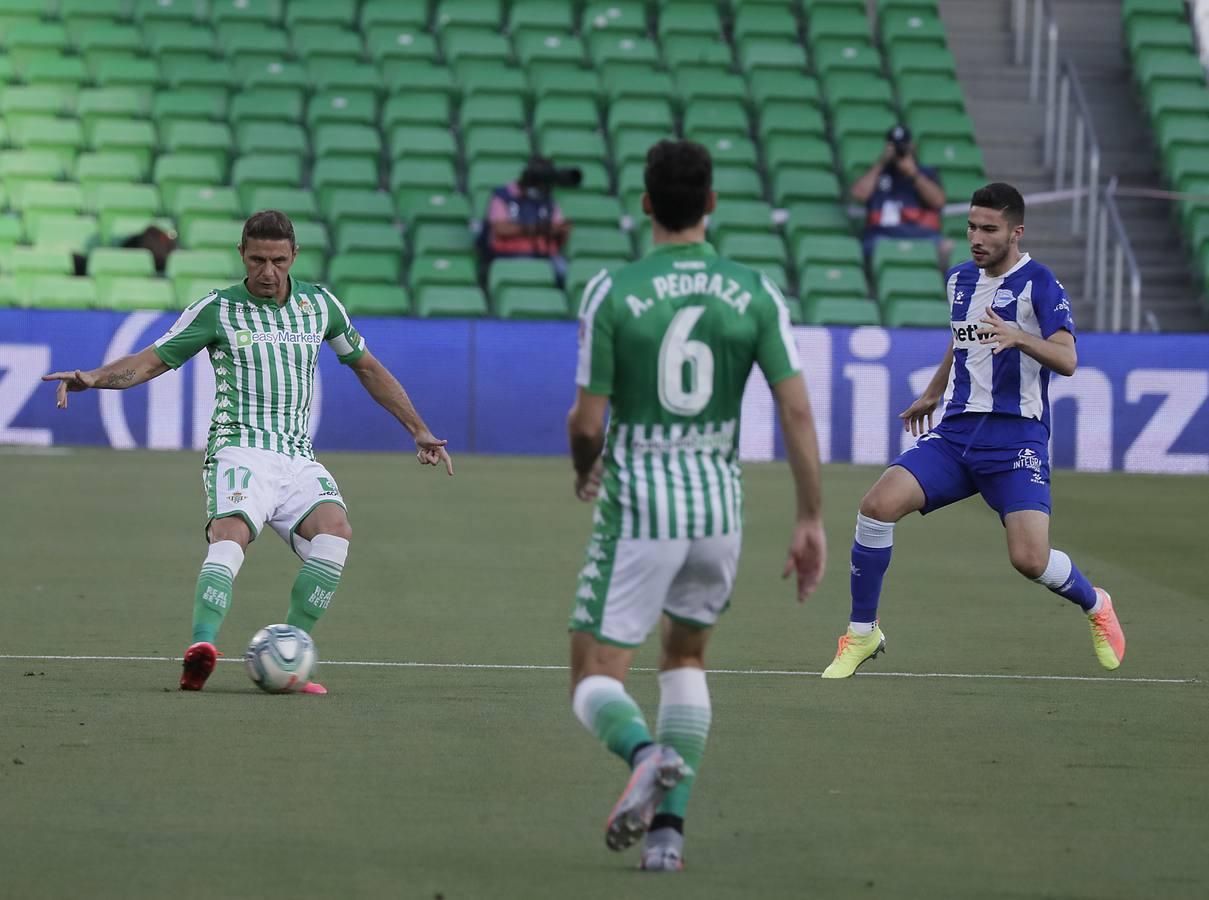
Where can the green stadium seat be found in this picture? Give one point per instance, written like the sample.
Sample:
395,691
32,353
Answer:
54,69
436,176
929,90
716,116
817,217
606,47
369,237
393,13
465,302
771,85
740,217
316,41
817,249
790,117
18,166
201,138
831,280
415,79
37,261
297,203
340,107
649,114
379,268
264,170
912,313
54,229
777,54
9,293
615,17
121,197
441,239
172,171
133,136
892,252
951,154
270,137
237,40
573,147
527,302
948,124
341,13
488,174
599,242
135,293
412,142
563,81
1149,31
267,104
909,57
185,267
343,205
636,82
331,174
23,38
147,11
761,20
91,12
755,250
898,282
548,46
737,182
441,269
783,151
492,110
853,119
495,142
791,184
419,108
191,202
695,83
375,299
844,22
96,39
339,75
193,104
48,196
405,43
910,26
310,265
542,16
842,86
565,112
433,205
483,14
115,262
12,232
822,310
193,72
312,236
253,72
56,292
36,101
1186,164
264,12
463,44
630,144
61,137
180,40
115,228
123,71
526,273
833,55
695,50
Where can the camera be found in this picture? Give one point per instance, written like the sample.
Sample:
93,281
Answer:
900,137
544,175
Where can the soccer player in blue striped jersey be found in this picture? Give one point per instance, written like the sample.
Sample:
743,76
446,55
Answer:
263,337
1012,328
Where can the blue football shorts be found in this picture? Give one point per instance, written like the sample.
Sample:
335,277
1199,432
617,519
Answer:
1009,478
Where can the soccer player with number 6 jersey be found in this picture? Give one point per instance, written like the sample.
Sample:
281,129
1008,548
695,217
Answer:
666,345
1012,327
263,337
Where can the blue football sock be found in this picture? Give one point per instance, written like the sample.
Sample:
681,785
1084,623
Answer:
871,553
1062,577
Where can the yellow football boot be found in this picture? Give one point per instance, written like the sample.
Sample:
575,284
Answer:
853,650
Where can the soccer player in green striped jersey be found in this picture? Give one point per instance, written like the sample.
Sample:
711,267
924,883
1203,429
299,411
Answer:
666,346
263,337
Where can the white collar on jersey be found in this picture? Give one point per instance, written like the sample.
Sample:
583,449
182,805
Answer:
1024,260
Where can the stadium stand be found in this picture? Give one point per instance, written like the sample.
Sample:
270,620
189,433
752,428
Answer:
382,127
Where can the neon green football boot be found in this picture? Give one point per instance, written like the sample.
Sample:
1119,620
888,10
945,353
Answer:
1106,634
853,650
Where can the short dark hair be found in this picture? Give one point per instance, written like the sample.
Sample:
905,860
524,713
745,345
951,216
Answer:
679,177
268,225
1003,197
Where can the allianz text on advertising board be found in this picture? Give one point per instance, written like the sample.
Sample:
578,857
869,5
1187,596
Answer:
1138,402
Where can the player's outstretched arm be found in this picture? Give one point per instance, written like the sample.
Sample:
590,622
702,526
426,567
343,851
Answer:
385,388
808,545
917,418
585,431
117,375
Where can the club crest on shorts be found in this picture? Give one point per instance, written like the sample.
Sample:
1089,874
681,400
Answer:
1027,459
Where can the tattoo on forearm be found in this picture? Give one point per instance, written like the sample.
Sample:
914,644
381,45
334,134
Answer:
116,379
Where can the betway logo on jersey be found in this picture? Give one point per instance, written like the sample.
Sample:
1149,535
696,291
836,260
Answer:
965,335
247,338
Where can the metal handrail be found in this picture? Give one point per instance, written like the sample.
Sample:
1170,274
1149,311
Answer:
1070,147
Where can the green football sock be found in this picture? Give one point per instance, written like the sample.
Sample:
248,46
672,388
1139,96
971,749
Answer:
215,587
607,711
317,581
684,718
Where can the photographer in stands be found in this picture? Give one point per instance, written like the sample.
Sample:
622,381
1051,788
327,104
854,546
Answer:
523,220
902,198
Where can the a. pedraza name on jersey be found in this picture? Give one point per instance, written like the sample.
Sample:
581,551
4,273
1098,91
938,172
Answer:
725,289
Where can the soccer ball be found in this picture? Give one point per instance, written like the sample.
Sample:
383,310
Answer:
281,658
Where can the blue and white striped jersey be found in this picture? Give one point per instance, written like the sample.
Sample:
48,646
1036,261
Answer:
1011,383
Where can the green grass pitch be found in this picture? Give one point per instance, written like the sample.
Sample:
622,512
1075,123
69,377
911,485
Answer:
478,783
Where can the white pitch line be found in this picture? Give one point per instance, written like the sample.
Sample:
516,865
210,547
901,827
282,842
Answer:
533,667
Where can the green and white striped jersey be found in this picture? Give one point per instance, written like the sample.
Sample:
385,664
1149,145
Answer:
264,357
671,340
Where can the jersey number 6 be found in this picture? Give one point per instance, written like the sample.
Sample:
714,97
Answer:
675,353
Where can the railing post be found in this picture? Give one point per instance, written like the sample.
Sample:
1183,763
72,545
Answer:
1093,205
1034,79
1077,177
1135,301
1051,85
1063,122
1018,16
1100,272
1118,283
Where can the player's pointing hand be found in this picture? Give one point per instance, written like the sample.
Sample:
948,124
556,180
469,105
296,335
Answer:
69,381
432,452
